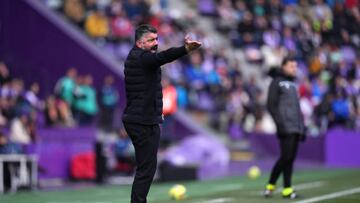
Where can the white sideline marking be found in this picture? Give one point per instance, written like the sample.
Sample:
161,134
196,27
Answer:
331,195
219,200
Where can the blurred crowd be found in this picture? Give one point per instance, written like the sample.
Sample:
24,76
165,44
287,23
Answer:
324,37
77,102
74,102
18,107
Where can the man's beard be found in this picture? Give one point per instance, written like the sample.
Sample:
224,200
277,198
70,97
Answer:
154,48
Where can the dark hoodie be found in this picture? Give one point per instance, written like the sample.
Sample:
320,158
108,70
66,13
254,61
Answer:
283,105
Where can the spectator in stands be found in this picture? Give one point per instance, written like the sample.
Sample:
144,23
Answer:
275,8
108,102
227,15
97,25
16,89
303,10
5,105
245,29
17,99
32,98
31,104
136,10
19,131
3,120
64,101
52,115
182,95
85,104
289,17
239,104
74,10
321,16
240,9
116,7
4,74
78,95
289,41
121,26
252,88
4,144
65,113
65,86
195,76
254,108
272,38
90,5
341,108
323,113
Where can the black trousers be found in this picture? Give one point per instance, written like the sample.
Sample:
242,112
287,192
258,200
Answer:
288,150
145,139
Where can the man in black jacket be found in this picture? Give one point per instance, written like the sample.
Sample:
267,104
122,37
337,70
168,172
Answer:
283,105
143,112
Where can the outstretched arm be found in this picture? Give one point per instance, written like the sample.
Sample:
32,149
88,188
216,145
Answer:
158,59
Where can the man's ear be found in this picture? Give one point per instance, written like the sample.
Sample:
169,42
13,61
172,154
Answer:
139,43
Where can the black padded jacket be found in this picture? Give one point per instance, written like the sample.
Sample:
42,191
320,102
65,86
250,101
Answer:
143,84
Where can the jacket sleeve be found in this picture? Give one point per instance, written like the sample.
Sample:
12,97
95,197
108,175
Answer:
150,59
273,101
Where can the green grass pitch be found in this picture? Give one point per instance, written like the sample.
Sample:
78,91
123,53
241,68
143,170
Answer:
239,189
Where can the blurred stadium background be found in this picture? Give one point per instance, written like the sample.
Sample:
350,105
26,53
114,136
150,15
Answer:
61,98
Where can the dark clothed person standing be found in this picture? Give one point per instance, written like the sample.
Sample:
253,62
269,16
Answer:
143,112
283,105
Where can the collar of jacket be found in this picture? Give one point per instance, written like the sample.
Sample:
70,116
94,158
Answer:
287,77
278,72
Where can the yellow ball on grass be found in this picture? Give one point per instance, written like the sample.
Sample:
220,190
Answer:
254,172
177,192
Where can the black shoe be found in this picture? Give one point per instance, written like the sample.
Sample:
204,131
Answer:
292,195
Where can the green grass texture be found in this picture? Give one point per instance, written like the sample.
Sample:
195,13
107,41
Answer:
238,189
